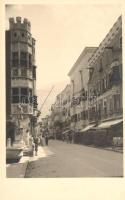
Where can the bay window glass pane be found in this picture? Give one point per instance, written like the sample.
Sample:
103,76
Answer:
15,99
15,91
30,92
23,55
15,55
23,72
15,72
24,91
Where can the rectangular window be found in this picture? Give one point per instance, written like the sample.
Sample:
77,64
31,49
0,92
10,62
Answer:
15,95
86,114
23,56
15,99
83,115
30,92
23,72
103,85
100,65
15,55
79,117
34,72
30,60
117,102
120,42
90,114
23,59
99,111
15,59
24,95
115,75
15,72
23,63
107,81
105,108
86,95
110,106
24,91
15,91
15,63
30,95
100,87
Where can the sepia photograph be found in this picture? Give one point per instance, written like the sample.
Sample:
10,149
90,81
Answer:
64,90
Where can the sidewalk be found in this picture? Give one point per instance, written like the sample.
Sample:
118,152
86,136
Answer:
18,170
115,149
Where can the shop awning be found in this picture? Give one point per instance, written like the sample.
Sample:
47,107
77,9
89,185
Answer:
65,131
110,123
87,128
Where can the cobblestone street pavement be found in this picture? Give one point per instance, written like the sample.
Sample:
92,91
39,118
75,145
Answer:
60,159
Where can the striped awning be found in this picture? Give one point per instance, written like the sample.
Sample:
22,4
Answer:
110,123
87,128
65,131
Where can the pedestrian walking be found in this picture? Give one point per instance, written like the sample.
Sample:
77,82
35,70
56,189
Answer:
46,139
70,137
41,140
36,143
46,136
32,145
67,138
63,137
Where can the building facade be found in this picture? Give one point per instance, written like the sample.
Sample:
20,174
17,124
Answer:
94,108
105,78
57,116
21,99
60,112
65,109
79,76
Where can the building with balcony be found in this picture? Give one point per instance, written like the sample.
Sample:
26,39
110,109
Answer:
60,112
47,125
66,104
57,116
79,76
105,80
21,99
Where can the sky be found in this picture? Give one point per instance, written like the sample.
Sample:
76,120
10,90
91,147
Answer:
62,31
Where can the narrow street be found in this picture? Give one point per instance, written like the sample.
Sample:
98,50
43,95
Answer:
64,160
